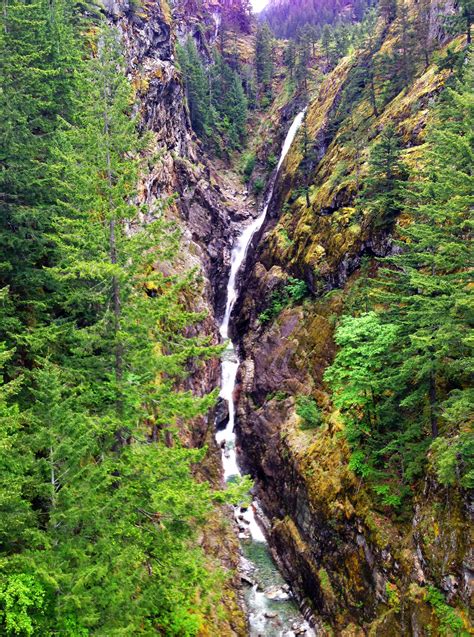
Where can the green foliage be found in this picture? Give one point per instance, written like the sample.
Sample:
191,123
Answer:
197,90
216,98
99,507
248,164
393,596
21,603
307,409
272,161
450,455
450,622
258,186
264,59
237,492
382,196
293,292
401,377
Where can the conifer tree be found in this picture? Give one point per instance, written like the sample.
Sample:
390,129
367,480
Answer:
388,10
290,56
382,196
326,42
264,58
197,88
100,516
401,377
38,50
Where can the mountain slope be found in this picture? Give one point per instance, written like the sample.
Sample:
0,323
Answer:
359,563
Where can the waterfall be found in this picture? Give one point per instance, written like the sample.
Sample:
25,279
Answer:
271,613
239,251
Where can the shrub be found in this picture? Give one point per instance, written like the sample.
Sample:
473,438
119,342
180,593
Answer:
294,291
258,186
450,622
272,161
248,165
307,409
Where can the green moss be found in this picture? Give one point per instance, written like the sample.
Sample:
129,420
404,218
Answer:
325,582
393,596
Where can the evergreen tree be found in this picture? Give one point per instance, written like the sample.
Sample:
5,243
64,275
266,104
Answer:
464,18
382,195
307,163
326,42
197,88
264,58
422,29
302,65
290,57
230,103
38,50
100,508
388,10
401,377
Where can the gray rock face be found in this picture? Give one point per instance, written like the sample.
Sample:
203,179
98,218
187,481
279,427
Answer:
206,207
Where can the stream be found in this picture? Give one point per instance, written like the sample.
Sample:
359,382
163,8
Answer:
271,607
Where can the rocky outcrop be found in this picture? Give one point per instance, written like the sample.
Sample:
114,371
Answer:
350,561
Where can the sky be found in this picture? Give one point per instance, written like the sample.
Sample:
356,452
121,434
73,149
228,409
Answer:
258,4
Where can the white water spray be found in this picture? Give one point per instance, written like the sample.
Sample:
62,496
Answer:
239,251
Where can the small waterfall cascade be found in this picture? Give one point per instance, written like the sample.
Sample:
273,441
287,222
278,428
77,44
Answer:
272,611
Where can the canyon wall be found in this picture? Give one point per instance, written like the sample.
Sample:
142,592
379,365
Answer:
205,207
363,569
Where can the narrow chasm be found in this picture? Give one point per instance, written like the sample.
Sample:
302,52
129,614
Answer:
271,605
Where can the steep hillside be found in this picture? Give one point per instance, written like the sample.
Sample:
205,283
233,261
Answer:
206,205
227,253
361,565
286,18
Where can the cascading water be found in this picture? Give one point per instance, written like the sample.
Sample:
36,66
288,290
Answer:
272,612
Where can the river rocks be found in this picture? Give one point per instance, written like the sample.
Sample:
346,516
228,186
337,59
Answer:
277,593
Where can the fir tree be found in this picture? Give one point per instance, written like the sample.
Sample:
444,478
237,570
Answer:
382,195
101,511
38,50
197,88
401,377
264,58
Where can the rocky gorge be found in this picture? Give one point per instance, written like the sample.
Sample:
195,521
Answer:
355,569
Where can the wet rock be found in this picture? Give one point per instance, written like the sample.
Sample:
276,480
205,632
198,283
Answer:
222,414
247,580
270,614
276,593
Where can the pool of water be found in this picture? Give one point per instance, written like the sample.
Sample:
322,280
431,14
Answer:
273,611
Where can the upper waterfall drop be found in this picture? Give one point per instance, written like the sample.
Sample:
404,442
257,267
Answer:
239,251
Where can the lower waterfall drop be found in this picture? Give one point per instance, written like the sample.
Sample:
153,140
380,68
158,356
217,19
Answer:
271,607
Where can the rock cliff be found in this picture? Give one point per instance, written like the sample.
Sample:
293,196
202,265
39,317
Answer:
359,568
363,570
